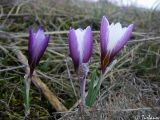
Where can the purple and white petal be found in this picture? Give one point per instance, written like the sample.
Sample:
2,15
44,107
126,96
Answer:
87,44
39,40
41,49
73,48
80,40
116,32
104,32
123,40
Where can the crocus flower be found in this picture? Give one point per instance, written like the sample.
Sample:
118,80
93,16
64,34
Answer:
112,39
80,45
37,44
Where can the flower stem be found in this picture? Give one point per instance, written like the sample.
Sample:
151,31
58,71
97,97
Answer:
108,69
82,90
27,82
82,74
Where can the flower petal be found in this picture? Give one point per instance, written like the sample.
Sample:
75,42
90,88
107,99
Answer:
39,40
123,40
87,44
37,45
115,34
80,41
42,47
104,34
112,39
73,48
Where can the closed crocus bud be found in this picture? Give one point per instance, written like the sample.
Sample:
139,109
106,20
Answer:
37,44
80,45
112,39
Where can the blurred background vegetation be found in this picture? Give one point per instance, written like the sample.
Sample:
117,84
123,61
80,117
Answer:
131,89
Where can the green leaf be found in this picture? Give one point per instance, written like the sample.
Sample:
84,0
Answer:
93,89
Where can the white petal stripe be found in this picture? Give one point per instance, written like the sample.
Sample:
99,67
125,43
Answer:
115,33
80,40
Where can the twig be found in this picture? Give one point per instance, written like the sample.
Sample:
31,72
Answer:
145,39
108,110
23,35
12,68
69,75
38,83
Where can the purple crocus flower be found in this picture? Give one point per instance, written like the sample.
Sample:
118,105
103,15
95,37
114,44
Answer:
112,39
37,44
80,45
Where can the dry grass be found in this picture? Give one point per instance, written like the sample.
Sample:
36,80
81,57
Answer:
131,90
